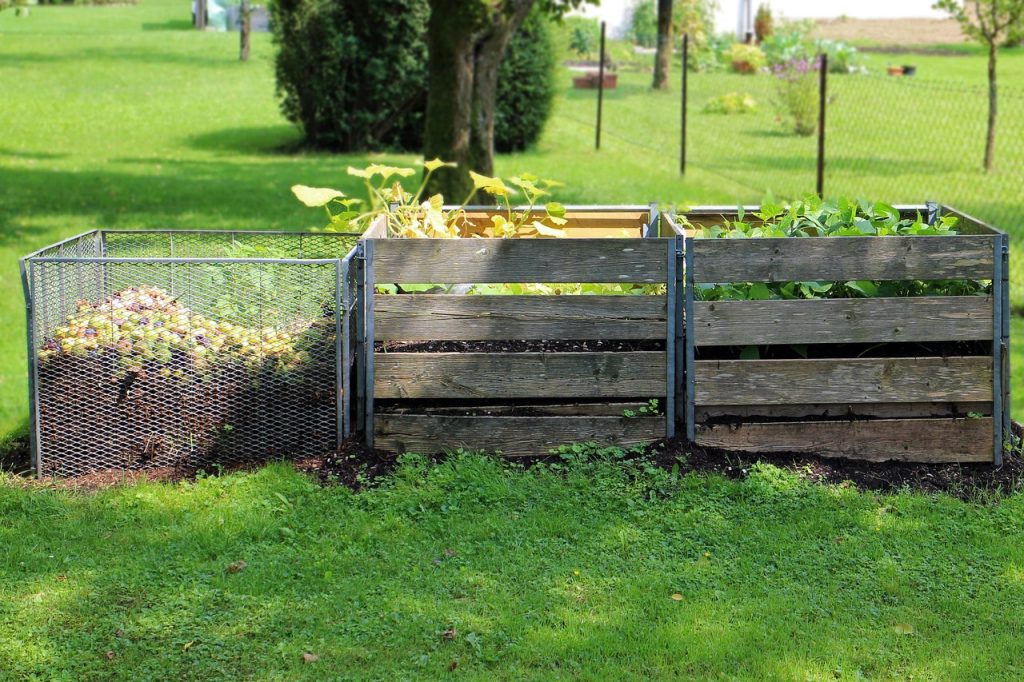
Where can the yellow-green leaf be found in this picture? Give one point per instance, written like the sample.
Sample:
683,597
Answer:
315,196
434,164
903,629
545,231
555,209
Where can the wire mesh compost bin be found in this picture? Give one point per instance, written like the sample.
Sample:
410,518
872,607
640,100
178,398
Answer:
187,348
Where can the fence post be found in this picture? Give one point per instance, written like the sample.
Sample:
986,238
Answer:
685,92
600,89
822,100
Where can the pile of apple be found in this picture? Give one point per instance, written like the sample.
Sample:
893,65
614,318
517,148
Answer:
145,325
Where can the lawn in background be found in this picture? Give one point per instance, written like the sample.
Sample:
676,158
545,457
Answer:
123,117
476,570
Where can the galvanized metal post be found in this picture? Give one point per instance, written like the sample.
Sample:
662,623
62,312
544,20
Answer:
997,351
670,341
341,348
360,335
25,266
1005,336
652,230
691,409
368,290
680,375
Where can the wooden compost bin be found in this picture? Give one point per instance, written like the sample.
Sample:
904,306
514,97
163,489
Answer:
931,407
522,402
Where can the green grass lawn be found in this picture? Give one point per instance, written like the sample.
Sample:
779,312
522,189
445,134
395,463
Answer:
536,574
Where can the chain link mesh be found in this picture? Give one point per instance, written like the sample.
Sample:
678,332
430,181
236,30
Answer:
148,363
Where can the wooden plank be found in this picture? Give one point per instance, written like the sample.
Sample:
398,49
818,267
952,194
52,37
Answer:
520,260
842,411
846,380
843,258
519,375
587,224
843,320
908,440
463,318
513,436
603,409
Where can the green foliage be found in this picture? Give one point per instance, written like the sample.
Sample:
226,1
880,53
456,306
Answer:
526,85
643,25
502,572
351,74
745,58
797,95
812,217
731,103
581,35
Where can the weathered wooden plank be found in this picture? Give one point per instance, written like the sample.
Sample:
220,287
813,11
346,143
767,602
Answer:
843,411
519,375
457,318
603,409
847,380
513,436
909,440
853,320
843,258
520,260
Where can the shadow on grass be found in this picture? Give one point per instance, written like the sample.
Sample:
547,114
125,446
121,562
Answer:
507,573
169,25
278,139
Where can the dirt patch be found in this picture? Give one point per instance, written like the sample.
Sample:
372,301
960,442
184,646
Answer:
898,33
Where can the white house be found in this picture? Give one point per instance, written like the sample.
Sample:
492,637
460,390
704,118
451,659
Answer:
731,15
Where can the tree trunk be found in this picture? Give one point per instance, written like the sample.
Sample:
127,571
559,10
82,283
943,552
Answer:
246,30
663,57
990,138
465,49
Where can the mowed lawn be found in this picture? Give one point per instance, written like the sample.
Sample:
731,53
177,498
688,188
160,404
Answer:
474,570
122,117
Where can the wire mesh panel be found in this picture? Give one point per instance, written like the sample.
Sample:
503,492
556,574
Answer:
144,360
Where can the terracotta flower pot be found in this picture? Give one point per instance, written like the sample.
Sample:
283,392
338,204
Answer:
895,70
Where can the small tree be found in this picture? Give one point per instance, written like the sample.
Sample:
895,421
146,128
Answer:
989,22
582,42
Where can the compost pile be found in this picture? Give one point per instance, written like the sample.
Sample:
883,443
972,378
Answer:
140,380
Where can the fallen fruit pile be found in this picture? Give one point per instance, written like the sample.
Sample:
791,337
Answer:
144,324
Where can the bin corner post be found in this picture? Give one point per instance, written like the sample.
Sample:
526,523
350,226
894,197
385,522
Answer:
25,267
341,352
691,410
359,262
653,230
1007,383
998,388
679,383
671,295
368,341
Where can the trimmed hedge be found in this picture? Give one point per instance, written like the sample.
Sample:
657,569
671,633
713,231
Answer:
352,74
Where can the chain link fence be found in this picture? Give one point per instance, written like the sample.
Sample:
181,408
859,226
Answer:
187,349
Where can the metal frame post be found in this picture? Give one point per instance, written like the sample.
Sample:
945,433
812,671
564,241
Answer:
691,410
360,335
368,290
1007,377
670,340
997,351
25,266
341,386
680,338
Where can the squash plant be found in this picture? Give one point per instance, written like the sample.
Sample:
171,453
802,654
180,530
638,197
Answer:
410,215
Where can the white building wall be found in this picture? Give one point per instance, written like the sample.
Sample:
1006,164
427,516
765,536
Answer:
617,12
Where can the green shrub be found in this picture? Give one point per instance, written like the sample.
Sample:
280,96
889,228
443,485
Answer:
526,86
731,103
643,25
352,75
745,58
